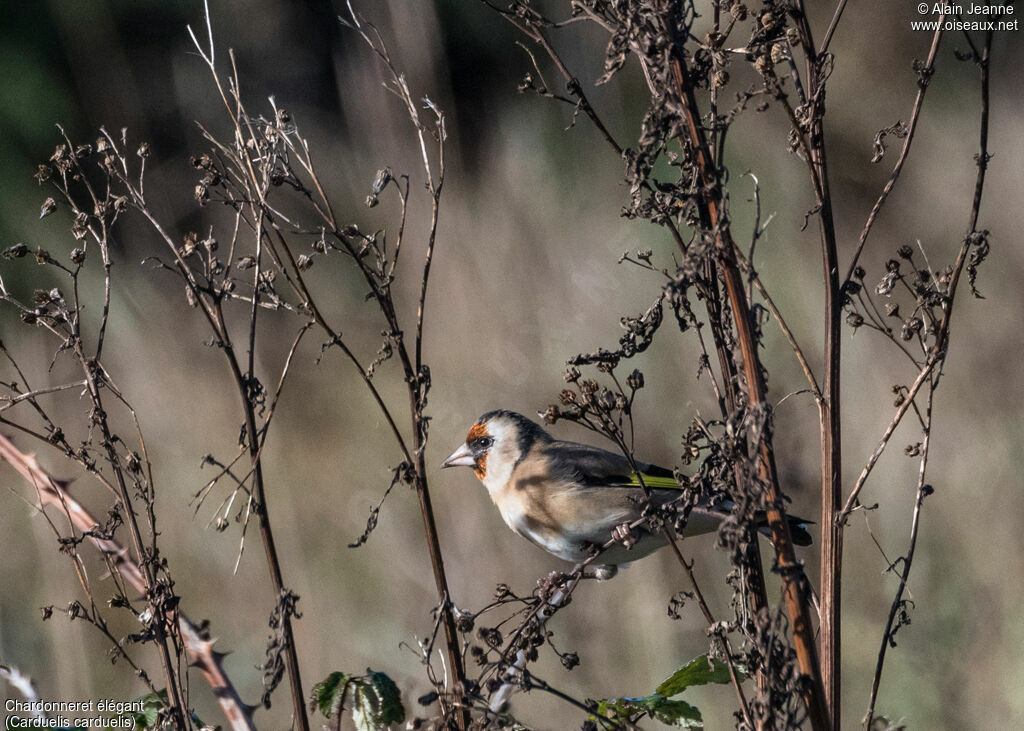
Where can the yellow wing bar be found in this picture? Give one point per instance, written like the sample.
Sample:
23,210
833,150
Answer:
658,481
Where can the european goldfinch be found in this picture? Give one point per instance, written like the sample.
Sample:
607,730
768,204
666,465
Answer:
567,497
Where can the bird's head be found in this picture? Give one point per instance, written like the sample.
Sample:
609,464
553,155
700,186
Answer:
495,444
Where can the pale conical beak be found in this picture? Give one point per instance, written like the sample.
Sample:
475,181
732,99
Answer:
461,457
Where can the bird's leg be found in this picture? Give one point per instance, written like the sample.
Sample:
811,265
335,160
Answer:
601,572
624,535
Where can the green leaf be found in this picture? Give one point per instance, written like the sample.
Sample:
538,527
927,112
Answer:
674,712
699,671
376,702
329,694
151,705
696,672
678,713
391,709
375,699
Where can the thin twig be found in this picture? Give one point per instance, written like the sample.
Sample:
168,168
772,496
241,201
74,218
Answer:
924,76
710,619
923,490
53,492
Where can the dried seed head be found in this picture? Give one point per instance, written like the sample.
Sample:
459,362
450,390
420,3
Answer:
635,380
491,635
905,252
15,252
60,154
738,11
381,180
886,285
48,207
188,247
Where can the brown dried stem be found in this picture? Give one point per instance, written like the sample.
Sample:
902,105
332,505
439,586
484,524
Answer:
831,548
51,491
794,583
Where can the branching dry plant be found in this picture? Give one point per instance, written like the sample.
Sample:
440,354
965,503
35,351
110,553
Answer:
781,655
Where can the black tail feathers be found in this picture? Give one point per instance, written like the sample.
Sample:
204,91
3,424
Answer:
797,529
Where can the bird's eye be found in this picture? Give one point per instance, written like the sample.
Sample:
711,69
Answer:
483,442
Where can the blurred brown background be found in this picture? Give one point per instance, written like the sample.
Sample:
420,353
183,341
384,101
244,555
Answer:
525,276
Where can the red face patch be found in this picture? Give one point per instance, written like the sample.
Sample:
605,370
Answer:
478,430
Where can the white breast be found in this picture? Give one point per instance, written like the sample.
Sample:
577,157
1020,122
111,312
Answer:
567,549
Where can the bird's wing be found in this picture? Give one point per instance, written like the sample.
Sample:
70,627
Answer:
596,467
